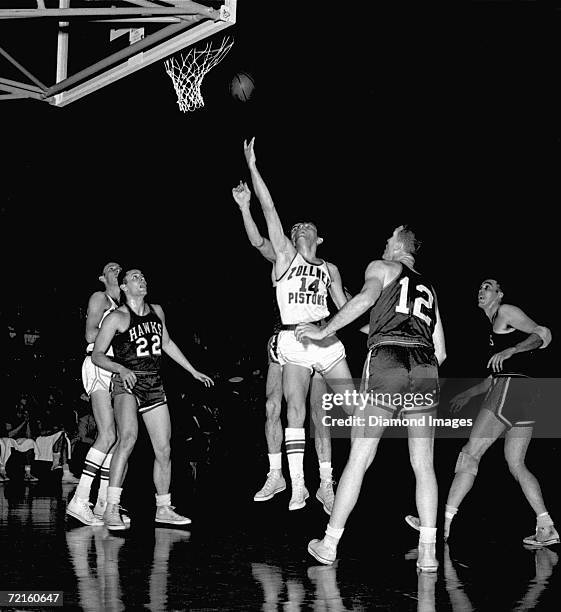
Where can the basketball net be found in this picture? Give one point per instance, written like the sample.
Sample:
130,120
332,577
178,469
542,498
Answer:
187,74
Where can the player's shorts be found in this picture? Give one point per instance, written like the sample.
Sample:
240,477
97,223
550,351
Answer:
95,378
148,390
320,356
273,350
513,400
402,378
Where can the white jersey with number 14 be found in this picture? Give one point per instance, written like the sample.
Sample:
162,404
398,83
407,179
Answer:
302,291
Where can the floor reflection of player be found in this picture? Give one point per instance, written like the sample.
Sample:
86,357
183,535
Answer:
138,334
303,284
275,482
287,590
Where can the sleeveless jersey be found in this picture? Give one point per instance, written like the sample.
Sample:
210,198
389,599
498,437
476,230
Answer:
302,291
139,348
111,308
405,312
519,364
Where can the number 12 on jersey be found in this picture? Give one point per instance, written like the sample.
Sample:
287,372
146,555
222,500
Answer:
420,301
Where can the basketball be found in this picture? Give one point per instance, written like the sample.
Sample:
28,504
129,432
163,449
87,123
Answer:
242,86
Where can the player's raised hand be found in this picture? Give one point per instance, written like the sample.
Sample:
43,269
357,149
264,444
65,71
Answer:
206,380
242,195
309,331
249,152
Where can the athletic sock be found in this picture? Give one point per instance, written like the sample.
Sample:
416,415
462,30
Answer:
92,465
104,477
295,442
275,461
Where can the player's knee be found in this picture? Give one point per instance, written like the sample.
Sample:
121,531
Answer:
106,438
515,465
127,440
162,452
467,464
295,415
421,463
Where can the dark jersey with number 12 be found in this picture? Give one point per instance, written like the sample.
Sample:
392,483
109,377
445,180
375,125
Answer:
139,348
405,312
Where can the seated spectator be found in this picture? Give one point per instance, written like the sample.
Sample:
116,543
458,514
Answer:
53,442
19,428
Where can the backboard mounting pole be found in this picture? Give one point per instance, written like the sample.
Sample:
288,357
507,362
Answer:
62,46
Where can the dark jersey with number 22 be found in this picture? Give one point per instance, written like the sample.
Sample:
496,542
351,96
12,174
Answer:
405,312
139,348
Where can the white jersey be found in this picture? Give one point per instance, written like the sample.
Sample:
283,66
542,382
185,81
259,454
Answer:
302,291
111,308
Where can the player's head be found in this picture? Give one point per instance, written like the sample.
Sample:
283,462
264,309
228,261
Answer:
132,283
110,273
305,230
401,243
489,293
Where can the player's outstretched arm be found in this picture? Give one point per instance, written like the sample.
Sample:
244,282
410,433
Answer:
174,352
242,197
359,304
281,244
96,308
116,321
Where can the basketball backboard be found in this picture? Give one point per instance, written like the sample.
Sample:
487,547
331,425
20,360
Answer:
58,51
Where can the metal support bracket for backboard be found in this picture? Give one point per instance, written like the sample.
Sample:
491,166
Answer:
182,22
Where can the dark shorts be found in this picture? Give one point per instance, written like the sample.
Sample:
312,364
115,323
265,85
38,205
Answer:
513,400
148,390
402,379
272,350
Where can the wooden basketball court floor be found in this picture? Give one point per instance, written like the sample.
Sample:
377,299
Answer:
242,555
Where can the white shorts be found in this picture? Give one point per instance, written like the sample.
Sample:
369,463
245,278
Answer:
319,356
95,378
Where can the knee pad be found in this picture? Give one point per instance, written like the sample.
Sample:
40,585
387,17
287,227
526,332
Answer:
467,463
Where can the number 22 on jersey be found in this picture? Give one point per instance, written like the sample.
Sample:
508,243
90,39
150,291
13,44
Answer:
420,301
142,343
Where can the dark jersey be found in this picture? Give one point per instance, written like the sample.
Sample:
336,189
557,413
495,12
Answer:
405,312
139,348
519,364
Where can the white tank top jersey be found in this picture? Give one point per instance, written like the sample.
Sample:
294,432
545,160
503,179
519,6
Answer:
111,308
302,291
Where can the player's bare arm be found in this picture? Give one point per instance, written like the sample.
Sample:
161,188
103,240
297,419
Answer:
174,352
513,317
336,290
97,305
117,321
282,246
375,278
242,197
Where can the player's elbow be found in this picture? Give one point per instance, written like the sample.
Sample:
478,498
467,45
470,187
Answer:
545,334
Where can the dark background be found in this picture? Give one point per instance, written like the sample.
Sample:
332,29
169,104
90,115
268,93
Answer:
365,118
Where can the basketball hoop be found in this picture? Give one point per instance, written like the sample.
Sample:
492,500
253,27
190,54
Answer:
187,74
